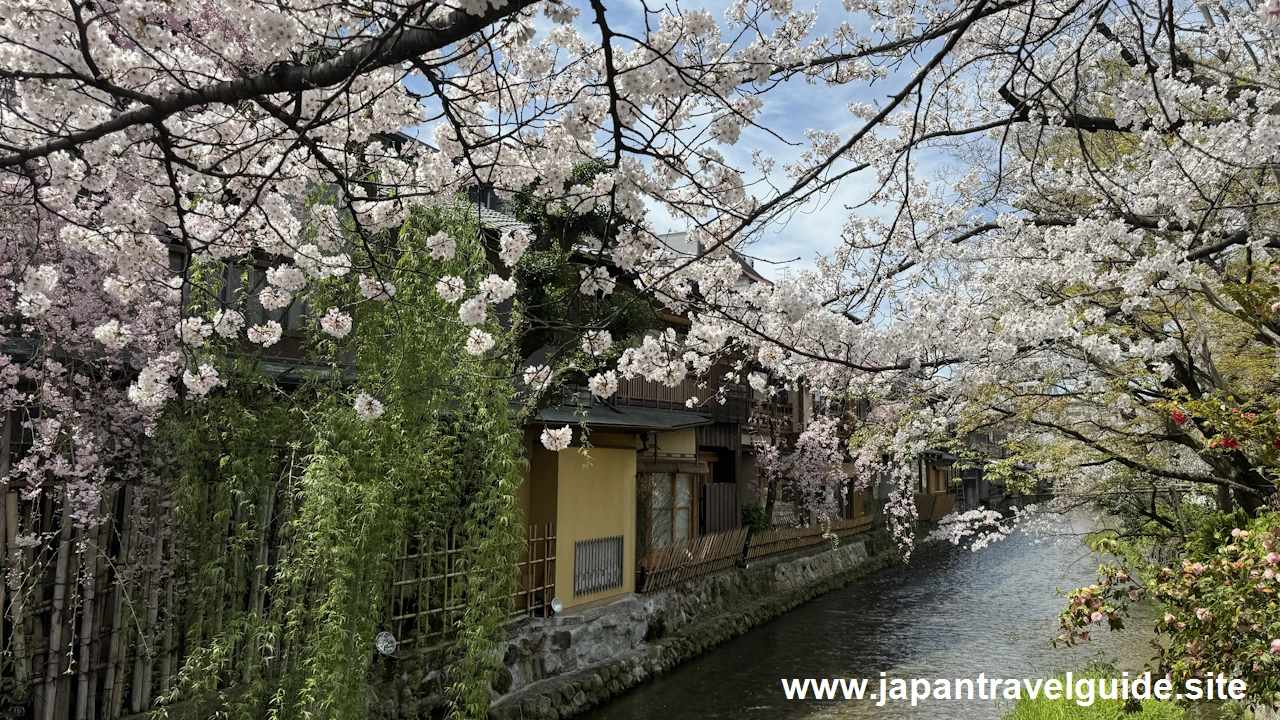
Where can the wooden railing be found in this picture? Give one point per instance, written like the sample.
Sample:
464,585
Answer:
692,558
710,554
781,541
932,507
638,392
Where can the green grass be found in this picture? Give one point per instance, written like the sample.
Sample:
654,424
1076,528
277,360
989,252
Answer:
1042,708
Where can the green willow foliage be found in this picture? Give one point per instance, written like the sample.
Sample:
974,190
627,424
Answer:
291,509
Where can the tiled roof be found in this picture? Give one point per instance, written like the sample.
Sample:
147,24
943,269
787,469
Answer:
622,417
491,219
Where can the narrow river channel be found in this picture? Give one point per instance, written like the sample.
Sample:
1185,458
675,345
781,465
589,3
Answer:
949,613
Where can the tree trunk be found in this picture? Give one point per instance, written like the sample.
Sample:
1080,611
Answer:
771,497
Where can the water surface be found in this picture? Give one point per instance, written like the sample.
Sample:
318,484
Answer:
949,613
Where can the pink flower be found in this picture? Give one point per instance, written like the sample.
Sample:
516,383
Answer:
1275,646
1273,558
368,407
1168,619
472,312
1203,615
557,439
336,323
375,289
267,334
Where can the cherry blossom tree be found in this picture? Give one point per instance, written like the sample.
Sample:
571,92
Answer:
1069,223
1095,247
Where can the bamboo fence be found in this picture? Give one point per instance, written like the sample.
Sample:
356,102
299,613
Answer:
86,635
425,599
81,636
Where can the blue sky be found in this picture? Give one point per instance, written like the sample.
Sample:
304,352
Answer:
788,110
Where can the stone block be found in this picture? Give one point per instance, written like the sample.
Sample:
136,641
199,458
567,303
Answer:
502,681
561,640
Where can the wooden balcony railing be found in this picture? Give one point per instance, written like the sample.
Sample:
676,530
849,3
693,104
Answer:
638,392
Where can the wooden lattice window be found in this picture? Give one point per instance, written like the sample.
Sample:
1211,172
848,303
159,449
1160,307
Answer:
671,507
597,565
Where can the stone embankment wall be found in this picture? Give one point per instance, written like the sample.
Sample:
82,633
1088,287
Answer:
558,667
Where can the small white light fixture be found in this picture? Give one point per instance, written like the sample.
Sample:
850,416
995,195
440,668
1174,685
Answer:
385,643
556,605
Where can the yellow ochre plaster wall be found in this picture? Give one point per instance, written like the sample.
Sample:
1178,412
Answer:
678,442
596,499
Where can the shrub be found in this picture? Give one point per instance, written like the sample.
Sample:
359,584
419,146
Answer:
754,518
1042,708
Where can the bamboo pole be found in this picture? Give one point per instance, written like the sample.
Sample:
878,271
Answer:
6,536
5,544
101,588
167,662
143,660
86,626
67,655
113,684
16,555
264,540
52,658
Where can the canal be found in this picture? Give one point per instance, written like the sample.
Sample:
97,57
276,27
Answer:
949,613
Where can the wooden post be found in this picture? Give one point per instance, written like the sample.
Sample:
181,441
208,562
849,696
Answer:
100,605
6,543
4,584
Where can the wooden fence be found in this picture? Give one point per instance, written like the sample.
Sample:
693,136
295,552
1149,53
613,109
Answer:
721,509
932,507
72,640
717,552
84,635
781,541
692,558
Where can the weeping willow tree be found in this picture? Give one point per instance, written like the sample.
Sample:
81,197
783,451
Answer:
291,509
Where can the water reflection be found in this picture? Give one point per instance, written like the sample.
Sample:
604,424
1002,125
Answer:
950,613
